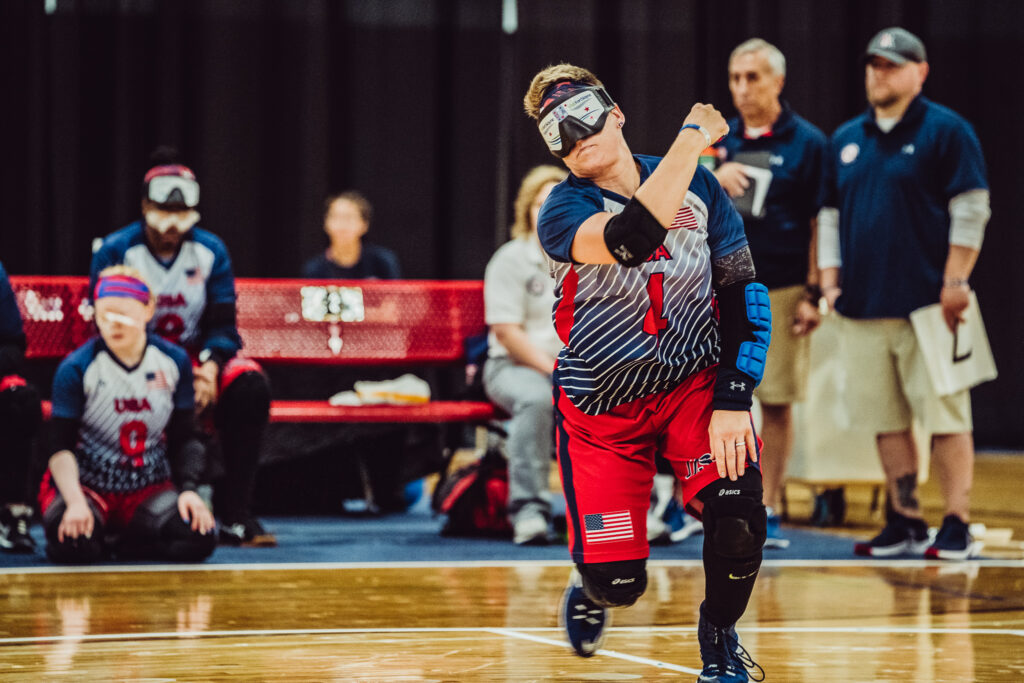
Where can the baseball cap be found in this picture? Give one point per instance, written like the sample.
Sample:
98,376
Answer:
896,44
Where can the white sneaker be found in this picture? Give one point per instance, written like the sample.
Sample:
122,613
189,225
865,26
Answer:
691,526
657,530
530,530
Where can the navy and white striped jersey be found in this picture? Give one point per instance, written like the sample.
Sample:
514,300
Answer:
122,412
200,275
632,332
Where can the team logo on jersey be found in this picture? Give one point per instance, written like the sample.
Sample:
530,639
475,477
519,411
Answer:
695,466
535,285
132,405
660,254
171,300
908,149
849,153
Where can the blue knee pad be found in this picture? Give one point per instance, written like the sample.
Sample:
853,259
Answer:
753,354
614,584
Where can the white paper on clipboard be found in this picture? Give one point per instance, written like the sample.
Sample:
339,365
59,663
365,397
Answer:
955,361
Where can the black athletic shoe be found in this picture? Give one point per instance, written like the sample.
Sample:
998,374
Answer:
584,621
14,523
900,535
724,659
248,534
829,508
954,541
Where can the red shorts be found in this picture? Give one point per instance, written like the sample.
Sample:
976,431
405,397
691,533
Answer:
607,464
117,509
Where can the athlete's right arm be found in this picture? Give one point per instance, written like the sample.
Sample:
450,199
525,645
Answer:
661,195
77,520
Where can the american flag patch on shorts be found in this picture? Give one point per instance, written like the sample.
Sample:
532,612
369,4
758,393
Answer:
607,526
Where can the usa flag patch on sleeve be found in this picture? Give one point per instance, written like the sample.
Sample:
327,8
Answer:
607,526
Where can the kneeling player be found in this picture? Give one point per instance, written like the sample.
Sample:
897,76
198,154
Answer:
126,458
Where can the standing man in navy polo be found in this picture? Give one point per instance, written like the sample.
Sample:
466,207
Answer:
903,220
773,171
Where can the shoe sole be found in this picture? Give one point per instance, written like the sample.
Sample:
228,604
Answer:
907,547
262,541
777,543
686,532
539,539
973,549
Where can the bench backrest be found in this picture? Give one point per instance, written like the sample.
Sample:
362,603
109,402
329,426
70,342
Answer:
293,321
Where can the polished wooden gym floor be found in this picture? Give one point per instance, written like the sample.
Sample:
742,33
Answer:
809,620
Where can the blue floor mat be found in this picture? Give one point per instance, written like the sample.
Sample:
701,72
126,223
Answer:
414,537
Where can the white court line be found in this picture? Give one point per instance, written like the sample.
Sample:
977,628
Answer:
455,564
512,633
523,633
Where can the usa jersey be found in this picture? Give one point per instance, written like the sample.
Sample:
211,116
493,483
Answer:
122,412
200,275
632,332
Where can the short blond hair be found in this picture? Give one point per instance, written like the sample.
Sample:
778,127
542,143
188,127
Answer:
126,271
533,181
548,77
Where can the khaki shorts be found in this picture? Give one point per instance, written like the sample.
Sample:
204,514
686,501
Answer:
886,384
785,371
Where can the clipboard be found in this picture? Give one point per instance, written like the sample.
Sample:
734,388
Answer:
955,360
757,167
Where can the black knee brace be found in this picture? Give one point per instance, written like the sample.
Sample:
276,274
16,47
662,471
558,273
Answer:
734,533
158,531
735,521
180,544
79,550
614,584
245,403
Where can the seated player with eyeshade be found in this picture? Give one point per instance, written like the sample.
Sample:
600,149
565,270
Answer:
126,459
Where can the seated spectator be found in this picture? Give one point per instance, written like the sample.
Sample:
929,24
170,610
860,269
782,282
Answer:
190,272
346,220
518,299
20,417
127,459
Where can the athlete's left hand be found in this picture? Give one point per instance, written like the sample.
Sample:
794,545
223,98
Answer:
806,318
732,442
205,384
194,512
954,301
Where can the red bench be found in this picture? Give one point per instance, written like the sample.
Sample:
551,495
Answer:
351,323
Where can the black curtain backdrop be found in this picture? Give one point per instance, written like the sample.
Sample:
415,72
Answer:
276,103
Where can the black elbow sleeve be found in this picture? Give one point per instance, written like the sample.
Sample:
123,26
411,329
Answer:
633,235
185,451
744,326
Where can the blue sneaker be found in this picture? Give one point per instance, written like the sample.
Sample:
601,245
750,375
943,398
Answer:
774,537
585,622
725,660
681,523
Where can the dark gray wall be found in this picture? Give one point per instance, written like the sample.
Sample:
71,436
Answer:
276,103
